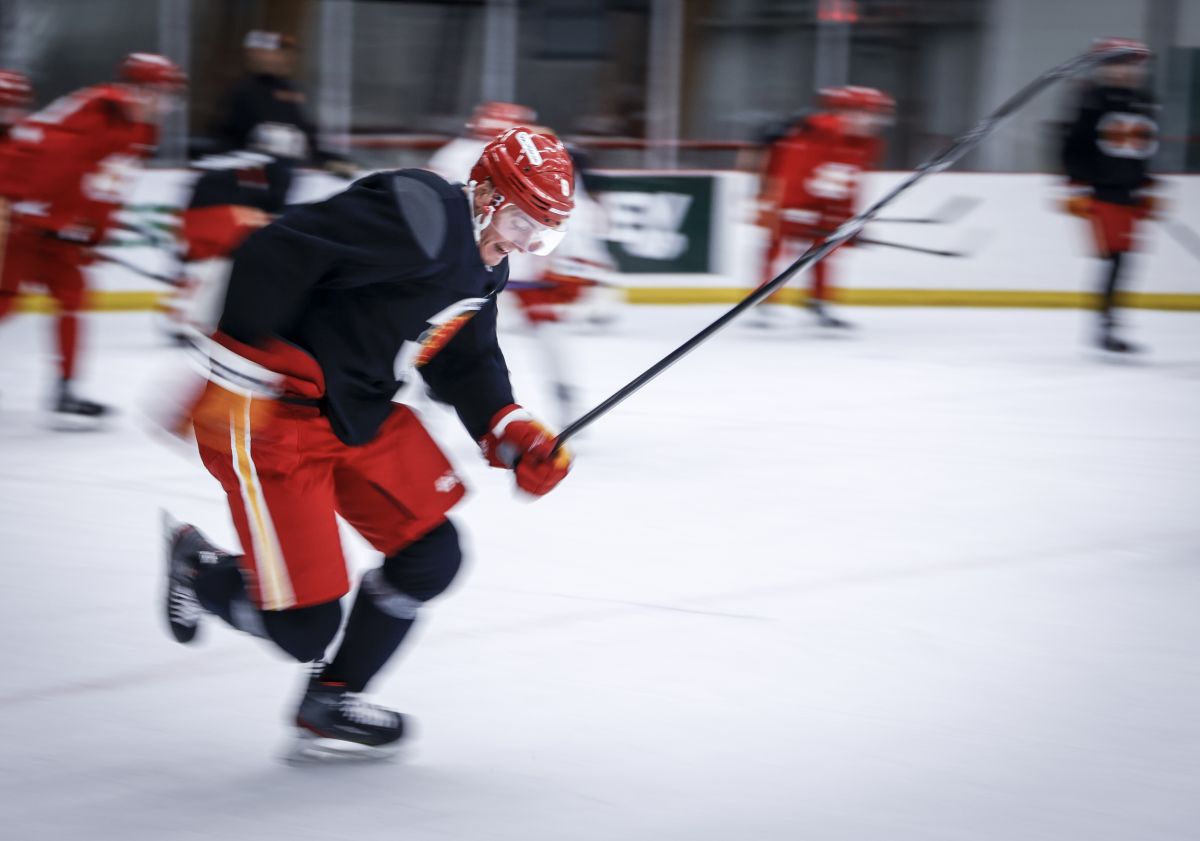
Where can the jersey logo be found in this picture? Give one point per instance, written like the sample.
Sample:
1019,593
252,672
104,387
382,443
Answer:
1123,135
442,328
834,181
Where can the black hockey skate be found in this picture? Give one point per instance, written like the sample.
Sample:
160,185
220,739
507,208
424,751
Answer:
73,412
186,550
825,318
1110,342
333,723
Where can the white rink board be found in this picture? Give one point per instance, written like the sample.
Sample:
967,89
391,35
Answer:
1025,242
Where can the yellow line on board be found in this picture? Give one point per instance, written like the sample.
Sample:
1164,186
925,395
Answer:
128,301
920,298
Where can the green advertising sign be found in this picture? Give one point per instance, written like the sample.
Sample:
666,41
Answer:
657,223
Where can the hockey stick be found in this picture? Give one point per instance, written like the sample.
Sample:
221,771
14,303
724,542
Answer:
919,249
161,278
819,250
955,208
1187,238
937,252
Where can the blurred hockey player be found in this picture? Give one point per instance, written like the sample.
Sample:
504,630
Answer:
264,111
454,160
233,196
811,179
1106,153
574,280
16,95
544,289
329,311
64,171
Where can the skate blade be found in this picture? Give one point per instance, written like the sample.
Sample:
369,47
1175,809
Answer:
64,422
310,749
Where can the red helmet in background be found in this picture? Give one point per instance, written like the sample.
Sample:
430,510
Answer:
857,98
490,118
531,170
15,90
1138,51
151,69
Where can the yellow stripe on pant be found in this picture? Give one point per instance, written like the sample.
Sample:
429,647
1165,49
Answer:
275,586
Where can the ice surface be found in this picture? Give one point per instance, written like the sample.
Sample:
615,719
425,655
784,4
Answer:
935,579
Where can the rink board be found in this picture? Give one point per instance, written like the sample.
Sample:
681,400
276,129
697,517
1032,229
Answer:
1023,251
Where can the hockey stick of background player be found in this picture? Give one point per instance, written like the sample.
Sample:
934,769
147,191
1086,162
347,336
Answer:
161,278
819,250
965,251
955,208
1185,236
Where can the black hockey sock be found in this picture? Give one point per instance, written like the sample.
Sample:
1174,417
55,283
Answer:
1108,289
387,603
371,638
303,633
218,584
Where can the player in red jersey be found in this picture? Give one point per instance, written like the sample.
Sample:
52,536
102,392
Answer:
64,171
812,174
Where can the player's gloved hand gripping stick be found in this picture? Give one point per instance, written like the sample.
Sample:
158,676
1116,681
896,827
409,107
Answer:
822,248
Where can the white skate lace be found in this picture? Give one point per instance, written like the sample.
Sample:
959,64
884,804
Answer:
185,607
359,711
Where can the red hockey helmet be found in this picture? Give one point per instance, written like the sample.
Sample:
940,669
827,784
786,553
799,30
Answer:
151,69
490,118
857,98
15,90
1136,50
534,182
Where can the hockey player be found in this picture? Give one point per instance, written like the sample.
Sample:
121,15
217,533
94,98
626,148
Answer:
540,288
233,196
454,160
64,172
264,111
329,310
1106,152
576,277
811,178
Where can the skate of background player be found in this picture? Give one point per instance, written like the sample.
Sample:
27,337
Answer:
820,250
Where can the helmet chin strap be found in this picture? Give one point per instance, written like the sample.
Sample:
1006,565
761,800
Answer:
479,221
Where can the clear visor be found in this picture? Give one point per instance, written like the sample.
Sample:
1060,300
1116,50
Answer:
526,233
867,123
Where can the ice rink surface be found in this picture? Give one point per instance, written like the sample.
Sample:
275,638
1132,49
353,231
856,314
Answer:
934,579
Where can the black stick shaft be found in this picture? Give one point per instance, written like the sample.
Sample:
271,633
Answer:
937,252
161,278
819,250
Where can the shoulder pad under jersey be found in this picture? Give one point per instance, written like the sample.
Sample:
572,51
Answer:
424,212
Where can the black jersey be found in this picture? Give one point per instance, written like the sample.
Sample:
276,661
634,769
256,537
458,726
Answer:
265,113
375,283
1111,141
249,182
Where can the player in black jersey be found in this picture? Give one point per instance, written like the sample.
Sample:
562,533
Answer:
330,309
1106,152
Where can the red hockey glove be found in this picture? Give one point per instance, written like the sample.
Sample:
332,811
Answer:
523,445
